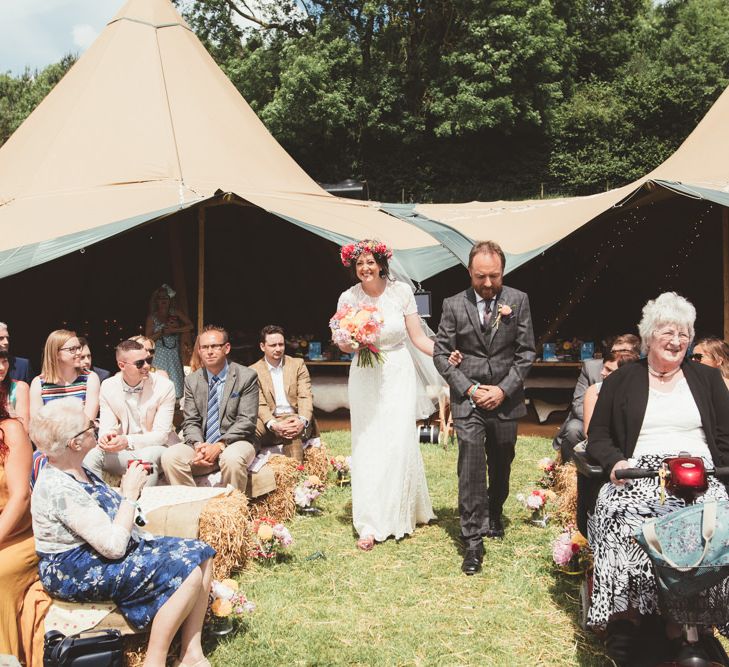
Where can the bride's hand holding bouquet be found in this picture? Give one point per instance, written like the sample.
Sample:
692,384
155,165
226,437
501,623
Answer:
356,330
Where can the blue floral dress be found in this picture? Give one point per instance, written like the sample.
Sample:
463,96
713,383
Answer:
139,582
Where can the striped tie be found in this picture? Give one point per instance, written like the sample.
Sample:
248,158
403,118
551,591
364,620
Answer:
212,430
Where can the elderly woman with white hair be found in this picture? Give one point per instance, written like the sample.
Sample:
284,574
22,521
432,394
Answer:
90,548
647,410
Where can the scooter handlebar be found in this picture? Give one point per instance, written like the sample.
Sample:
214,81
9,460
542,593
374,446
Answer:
636,473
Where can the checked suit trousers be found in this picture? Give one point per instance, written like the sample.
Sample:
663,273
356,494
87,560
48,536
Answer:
486,447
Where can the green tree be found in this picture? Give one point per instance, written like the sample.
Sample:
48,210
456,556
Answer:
19,95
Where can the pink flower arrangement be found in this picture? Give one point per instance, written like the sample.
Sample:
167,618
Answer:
307,491
352,251
271,539
227,600
549,472
571,552
359,327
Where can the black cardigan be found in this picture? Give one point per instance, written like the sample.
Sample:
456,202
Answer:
621,405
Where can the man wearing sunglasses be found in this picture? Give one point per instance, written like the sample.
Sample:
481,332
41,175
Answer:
135,420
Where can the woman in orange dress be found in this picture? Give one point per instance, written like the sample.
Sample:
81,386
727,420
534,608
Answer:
18,560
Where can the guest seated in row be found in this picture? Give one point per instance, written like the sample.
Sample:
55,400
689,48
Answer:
656,407
286,404
572,430
90,548
713,352
150,346
61,375
16,392
136,410
220,410
610,363
19,367
18,561
87,363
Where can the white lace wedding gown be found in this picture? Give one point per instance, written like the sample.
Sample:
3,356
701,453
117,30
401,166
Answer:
389,490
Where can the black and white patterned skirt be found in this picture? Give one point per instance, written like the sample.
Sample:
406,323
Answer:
623,576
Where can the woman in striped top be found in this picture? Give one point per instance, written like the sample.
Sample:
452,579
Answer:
61,375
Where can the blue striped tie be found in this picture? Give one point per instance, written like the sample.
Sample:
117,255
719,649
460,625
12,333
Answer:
212,430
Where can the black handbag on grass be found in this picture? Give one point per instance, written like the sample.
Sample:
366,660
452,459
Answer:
94,648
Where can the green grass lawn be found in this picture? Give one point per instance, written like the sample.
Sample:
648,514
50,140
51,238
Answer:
407,603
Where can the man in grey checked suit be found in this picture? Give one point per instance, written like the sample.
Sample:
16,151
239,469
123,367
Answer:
221,409
490,324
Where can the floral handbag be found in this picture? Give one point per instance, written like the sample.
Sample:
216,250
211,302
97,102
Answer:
689,547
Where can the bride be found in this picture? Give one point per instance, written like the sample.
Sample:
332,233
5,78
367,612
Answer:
389,490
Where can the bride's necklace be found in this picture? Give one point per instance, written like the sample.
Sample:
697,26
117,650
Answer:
663,376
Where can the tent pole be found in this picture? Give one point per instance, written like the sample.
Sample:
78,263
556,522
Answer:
725,266
200,267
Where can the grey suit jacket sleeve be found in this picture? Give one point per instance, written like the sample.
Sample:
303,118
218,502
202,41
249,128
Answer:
590,368
524,351
244,426
192,424
445,343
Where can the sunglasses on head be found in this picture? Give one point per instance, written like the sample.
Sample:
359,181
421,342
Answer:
139,363
696,356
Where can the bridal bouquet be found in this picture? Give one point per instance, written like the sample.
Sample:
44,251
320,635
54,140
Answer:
360,328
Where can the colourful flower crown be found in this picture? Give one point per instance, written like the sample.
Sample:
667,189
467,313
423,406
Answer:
351,252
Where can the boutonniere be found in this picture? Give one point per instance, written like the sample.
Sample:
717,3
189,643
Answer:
504,311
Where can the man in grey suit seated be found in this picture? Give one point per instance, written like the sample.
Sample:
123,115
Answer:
573,430
220,408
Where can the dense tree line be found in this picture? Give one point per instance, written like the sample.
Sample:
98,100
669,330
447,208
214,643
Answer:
448,100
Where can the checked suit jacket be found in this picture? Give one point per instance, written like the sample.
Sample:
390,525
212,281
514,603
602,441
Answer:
238,406
493,355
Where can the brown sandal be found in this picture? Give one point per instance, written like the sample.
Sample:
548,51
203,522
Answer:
366,543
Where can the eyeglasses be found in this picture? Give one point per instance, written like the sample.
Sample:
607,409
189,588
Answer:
696,356
670,335
93,424
213,346
74,349
139,363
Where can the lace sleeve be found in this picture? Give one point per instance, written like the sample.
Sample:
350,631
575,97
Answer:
406,298
80,513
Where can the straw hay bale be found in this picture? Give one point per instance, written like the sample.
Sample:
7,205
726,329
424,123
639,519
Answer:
225,526
278,505
565,486
316,461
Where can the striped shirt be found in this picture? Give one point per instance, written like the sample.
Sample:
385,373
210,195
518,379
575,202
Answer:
77,389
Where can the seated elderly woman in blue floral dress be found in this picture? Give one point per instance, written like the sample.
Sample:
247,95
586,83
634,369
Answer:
90,548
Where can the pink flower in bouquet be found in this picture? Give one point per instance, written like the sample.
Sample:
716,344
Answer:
362,326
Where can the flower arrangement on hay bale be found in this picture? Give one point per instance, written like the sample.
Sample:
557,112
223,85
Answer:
571,552
342,466
309,488
227,603
271,539
536,503
548,467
